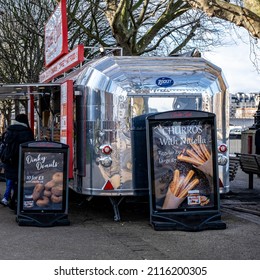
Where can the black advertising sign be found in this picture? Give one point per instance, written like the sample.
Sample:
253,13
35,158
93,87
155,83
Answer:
43,178
182,161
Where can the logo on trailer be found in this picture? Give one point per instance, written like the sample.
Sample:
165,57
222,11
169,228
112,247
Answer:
164,82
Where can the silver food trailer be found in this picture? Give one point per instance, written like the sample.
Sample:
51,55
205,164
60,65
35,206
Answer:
112,96
112,92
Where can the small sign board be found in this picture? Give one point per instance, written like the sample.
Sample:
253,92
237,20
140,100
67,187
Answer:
183,173
64,64
43,184
56,34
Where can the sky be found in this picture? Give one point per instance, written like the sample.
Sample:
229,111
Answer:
234,60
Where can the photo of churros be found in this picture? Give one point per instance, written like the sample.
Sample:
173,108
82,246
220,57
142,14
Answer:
179,188
199,156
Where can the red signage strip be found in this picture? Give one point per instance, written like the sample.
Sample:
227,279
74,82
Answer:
67,62
66,114
56,34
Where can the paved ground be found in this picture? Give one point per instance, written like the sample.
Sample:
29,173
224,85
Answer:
93,234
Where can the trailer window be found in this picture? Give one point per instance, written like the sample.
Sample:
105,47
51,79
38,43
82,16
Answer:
160,104
186,103
143,105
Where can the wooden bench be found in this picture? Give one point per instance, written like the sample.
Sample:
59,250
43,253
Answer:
250,164
233,167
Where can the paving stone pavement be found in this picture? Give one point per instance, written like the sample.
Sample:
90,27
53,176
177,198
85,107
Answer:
94,235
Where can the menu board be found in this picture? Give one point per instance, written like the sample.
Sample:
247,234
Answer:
182,163
43,179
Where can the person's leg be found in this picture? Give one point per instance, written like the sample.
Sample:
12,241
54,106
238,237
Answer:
13,202
8,191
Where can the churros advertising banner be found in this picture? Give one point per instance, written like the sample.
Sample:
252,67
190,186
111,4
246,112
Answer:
182,162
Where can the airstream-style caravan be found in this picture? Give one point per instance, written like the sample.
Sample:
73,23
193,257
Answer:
112,91
112,97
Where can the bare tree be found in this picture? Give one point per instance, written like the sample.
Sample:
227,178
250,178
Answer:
21,46
138,27
145,27
87,24
247,16
21,39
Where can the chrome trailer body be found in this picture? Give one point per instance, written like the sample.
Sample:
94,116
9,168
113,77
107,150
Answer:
111,91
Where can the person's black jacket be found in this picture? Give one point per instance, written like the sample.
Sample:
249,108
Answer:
257,141
24,134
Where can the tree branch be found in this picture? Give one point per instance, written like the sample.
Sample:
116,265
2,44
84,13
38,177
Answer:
238,15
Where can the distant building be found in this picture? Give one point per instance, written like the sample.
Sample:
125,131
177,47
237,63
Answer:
244,105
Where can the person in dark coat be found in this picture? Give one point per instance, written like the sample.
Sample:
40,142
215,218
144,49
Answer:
23,133
257,141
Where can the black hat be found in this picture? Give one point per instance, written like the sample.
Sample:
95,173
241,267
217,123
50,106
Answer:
22,118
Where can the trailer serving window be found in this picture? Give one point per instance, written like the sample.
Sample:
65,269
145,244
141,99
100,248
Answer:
151,104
